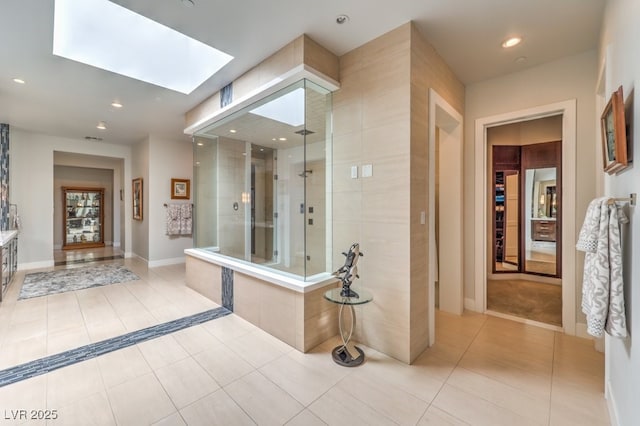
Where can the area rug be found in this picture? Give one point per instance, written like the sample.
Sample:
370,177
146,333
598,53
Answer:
526,299
45,283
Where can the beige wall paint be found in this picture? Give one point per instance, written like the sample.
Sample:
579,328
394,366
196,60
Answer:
548,129
167,159
572,77
32,162
140,228
82,177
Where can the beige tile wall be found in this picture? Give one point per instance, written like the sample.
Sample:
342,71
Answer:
428,70
204,278
381,118
302,320
302,50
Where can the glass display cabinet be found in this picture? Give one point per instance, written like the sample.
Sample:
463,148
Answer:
82,227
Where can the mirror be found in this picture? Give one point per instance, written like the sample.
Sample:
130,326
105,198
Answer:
506,223
541,207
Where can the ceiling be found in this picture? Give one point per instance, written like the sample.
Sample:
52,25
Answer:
65,98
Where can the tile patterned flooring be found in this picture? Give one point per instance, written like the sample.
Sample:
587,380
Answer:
482,371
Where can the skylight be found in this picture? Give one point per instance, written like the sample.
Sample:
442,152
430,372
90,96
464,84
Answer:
108,36
288,109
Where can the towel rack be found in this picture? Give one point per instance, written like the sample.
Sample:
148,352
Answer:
167,205
631,199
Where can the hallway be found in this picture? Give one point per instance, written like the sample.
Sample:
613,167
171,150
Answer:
482,371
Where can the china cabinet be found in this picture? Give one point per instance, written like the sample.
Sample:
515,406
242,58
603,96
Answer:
83,219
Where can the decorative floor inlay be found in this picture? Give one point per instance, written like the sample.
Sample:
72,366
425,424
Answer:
52,282
53,362
87,260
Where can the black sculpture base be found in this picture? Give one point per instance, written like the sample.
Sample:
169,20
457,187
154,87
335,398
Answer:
342,356
347,292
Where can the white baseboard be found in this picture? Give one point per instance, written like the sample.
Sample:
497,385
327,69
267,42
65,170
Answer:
581,331
35,265
470,304
611,405
165,262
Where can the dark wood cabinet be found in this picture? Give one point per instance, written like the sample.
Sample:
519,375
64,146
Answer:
543,230
84,217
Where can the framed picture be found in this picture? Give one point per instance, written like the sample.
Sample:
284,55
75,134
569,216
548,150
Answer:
136,186
180,189
614,135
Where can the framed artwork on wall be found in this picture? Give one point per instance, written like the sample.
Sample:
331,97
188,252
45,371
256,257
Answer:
614,135
180,189
136,185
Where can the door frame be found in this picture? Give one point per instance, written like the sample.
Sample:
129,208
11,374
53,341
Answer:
442,115
569,129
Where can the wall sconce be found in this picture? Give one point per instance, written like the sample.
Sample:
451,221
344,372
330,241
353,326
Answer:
542,199
246,198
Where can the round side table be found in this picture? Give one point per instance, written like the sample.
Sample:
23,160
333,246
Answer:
347,354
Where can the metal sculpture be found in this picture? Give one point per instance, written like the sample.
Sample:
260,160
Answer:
349,270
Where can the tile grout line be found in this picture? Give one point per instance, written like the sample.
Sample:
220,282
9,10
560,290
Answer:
484,323
53,362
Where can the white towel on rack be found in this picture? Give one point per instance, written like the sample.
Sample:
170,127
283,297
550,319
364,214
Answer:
173,219
603,284
185,219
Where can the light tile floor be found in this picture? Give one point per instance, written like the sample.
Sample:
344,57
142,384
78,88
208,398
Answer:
482,371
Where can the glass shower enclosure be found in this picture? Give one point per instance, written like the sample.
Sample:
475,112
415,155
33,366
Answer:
262,179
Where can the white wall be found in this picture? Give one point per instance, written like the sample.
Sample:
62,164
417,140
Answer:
619,54
31,188
572,77
167,160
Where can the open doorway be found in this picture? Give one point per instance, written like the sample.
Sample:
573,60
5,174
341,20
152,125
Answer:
445,212
483,196
88,171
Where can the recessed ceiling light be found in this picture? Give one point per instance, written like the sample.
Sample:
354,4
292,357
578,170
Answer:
282,139
341,19
200,144
188,3
520,59
102,125
19,81
512,41
116,104
140,48
232,131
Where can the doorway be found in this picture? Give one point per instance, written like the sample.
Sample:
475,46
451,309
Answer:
482,197
445,255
